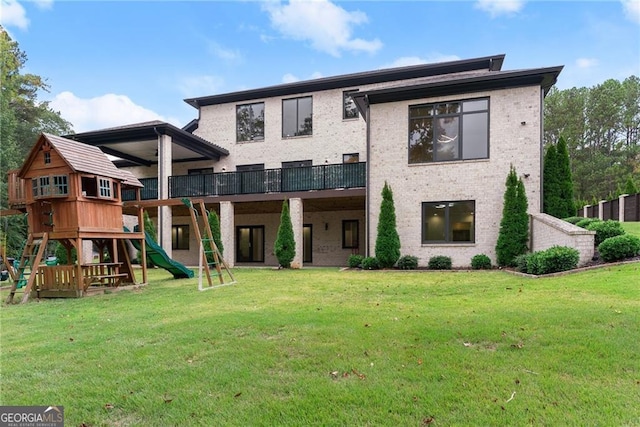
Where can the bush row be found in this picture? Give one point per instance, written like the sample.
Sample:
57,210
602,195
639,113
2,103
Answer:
409,262
552,260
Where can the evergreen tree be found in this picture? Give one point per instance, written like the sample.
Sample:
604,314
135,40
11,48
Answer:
551,202
285,245
567,205
387,241
514,226
214,224
630,187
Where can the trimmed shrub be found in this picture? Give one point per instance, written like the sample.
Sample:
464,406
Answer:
587,221
481,262
605,229
387,241
619,247
521,262
573,219
407,262
440,262
355,261
552,260
370,263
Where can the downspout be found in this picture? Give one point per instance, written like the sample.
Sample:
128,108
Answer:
541,208
368,175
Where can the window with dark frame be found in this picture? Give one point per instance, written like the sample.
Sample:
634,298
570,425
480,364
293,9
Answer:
350,238
250,122
448,222
180,237
297,117
47,186
449,131
200,171
47,157
349,109
351,158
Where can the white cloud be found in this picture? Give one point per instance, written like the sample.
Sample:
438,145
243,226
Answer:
328,27
406,61
44,4
290,78
586,63
13,14
500,7
200,85
632,10
100,112
223,53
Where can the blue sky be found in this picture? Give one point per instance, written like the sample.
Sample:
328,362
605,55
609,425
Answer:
118,62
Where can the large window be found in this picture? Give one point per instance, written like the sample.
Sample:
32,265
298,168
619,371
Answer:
350,238
349,110
297,117
250,122
449,131
180,237
50,186
448,222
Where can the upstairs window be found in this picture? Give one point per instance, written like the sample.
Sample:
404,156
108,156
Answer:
297,117
100,187
104,186
349,110
50,186
449,131
250,122
47,157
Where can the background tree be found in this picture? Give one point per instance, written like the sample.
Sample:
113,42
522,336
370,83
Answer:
285,245
601,128
22,119
551,182
630,187
514,226
387,241
214,224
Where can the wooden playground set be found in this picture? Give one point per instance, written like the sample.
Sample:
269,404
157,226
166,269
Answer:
76,197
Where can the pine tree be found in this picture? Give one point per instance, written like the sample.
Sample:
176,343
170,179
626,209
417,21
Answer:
285,245
387,241
551,183
514,226
630,187
214,224
567,205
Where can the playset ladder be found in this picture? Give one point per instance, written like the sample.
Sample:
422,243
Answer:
205,236
31,257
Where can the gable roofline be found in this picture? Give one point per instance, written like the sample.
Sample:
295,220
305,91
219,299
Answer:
151,130
544,77
80,158
490,63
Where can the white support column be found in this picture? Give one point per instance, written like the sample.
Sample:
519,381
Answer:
621,207
297,220
601,209
164,172
585,211
227,232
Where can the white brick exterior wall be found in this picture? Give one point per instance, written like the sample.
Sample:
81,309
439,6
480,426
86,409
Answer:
547,231
510,142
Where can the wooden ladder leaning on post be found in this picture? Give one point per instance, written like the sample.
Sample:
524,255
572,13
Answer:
205,236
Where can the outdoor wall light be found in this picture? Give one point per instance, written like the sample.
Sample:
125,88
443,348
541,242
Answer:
523,123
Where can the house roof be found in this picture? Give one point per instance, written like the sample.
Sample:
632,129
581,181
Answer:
81,158
465,82
489,63
137,144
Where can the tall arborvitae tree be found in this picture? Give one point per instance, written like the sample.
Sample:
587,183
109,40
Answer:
565,180
285,245
551,202
388,240
514,226
214,224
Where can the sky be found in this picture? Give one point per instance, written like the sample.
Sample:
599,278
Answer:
110,63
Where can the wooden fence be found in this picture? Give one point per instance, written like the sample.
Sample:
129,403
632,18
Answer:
624,208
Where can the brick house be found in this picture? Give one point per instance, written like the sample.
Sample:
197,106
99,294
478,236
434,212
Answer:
442,135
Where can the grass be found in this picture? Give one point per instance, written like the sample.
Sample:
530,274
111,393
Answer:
323,347
631,228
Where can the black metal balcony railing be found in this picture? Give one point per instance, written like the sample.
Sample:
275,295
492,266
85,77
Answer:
322,177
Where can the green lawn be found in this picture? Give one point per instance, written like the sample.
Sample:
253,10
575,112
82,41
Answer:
631,228
323,347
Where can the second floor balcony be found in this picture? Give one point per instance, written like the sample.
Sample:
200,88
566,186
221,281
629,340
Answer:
321,177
